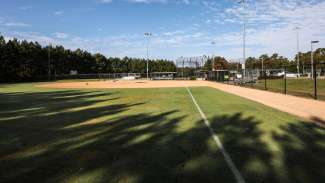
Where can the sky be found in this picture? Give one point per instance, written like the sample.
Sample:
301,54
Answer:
179,27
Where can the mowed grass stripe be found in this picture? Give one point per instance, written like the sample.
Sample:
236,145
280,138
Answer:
224,152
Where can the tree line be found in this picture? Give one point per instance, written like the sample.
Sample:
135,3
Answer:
29,61
274,61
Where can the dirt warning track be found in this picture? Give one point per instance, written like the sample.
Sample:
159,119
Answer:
305,108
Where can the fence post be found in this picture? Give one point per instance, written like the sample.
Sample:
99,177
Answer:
285,80
315,82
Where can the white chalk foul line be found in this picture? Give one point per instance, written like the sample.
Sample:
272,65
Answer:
225,154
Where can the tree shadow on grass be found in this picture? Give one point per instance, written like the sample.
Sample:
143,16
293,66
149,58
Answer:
102,143
304,147
41,120
17,102
50,143
241,138
299,157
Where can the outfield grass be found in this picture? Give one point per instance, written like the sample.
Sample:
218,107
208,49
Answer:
299,87
150,135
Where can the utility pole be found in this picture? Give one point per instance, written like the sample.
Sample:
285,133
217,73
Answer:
243,3
99,50
298,51
212,63
213,43
312,58
49,61
262,65
148,35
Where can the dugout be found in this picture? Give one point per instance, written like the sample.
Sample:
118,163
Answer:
163,75
201,74
219,75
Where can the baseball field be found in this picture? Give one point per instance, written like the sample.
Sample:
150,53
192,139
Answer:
151,132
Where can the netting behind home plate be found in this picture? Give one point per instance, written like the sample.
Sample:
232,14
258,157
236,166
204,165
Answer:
189,66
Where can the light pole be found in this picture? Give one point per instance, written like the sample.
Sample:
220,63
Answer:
312,57
243,3
262,65
99,47
298,51
148,35
49,61
213,43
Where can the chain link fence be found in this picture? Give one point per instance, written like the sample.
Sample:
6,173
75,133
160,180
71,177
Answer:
309,83
98,76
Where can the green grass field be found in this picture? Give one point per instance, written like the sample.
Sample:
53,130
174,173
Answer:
298,87
150,135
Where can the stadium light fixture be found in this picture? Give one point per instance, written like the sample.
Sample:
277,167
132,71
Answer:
148,35
312,57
